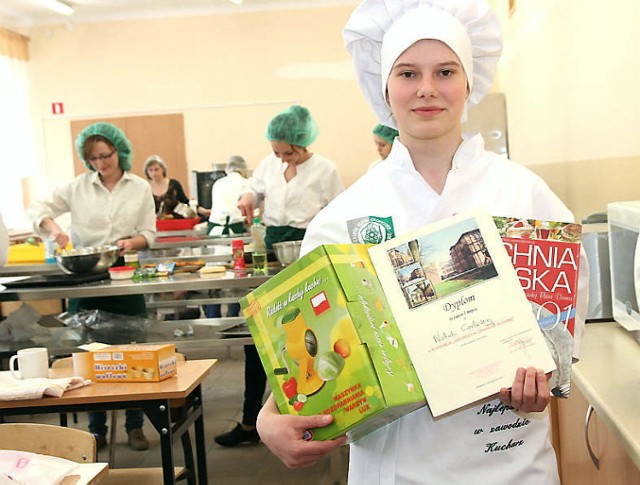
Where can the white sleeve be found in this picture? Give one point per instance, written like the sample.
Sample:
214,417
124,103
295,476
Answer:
4,243
54,206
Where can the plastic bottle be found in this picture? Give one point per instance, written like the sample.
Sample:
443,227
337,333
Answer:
259,253
49,250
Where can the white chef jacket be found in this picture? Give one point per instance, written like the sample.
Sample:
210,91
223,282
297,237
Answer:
294,203
4,242
100,216
224,198
487,443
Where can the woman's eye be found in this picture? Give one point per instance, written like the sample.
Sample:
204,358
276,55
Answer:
446,72
407,74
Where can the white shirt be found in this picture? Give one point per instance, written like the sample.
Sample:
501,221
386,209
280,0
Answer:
465,447
4,243
100,216
224,198
294,203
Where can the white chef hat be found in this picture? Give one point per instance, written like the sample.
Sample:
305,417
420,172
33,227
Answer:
378,31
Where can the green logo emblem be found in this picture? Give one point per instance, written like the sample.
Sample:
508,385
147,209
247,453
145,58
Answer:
370,230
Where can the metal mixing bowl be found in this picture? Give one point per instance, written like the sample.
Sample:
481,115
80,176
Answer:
87,260
287,252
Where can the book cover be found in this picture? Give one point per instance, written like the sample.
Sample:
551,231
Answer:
460,308
546,255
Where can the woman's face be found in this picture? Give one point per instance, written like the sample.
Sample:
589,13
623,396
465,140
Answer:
290,154
427,91
383,146
155,172
104,159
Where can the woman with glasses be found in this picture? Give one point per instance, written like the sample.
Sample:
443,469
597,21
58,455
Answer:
108,205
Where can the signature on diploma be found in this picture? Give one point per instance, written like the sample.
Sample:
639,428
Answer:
523,343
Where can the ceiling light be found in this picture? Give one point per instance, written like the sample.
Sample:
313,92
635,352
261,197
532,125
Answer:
58,6
237,2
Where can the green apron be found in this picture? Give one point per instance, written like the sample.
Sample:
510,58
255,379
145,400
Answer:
276,234
132,305
235,228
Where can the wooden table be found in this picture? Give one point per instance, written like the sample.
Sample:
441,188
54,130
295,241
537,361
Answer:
154,398
87,474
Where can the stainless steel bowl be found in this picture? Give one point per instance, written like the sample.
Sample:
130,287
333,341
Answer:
287,252
87,260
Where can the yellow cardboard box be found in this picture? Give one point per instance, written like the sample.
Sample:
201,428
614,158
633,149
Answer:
127,363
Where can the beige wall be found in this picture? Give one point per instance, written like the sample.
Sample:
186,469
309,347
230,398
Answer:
570,75
568,72
228,75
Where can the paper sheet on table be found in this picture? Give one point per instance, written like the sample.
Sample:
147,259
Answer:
22,467
12,389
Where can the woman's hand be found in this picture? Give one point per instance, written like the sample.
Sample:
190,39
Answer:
284,435
61,238
52,227
529,392
245,204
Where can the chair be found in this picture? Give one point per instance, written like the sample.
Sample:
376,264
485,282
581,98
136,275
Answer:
46,439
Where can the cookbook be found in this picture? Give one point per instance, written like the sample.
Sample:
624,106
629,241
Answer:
546,256
460,308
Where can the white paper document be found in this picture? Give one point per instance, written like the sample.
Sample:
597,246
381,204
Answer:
464,317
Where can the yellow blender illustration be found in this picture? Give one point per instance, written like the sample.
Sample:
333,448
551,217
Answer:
302,346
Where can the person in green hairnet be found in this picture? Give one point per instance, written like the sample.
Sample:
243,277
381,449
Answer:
383,137
108,205
294,183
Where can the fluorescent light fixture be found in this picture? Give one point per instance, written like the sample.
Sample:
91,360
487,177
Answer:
58,6
237,2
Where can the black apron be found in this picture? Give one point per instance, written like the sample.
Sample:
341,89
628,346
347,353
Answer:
276,234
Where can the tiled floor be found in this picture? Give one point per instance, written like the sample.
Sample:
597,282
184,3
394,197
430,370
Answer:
243,465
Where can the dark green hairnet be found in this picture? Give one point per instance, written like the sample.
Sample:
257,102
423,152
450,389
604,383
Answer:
112,133
294,125
386,133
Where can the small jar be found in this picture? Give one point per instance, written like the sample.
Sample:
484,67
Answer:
131,259
237,249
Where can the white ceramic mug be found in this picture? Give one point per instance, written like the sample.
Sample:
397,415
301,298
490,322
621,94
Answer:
33,362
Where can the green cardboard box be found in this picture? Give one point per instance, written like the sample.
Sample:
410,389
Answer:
330,345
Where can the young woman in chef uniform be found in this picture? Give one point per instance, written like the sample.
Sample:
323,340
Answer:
294,183
419,63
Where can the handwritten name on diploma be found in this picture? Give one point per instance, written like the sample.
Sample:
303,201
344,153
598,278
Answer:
465,329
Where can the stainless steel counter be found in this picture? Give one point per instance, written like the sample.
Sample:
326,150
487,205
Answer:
185,334
196,241
178,282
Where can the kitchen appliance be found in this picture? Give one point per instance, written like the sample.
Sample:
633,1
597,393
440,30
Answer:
595,241
202,182
624,257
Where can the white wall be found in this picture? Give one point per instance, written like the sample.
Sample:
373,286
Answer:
228,74
570,70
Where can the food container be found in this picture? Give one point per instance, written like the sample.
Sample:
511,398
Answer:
176,224
127,363
287,252
121,272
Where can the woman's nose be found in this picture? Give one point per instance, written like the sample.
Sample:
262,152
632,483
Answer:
426,88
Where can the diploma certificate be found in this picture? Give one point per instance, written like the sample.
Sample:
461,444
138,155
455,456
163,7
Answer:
460,308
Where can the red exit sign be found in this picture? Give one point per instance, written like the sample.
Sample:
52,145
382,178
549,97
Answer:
57,108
